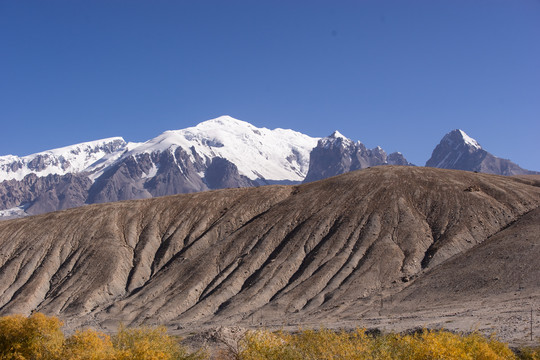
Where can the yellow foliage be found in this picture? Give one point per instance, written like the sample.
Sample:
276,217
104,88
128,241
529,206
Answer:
148,344
327,344
37,337
89,345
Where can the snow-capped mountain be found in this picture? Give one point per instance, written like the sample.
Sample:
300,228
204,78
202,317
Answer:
70,159
258,153
337,154
218,153
459,151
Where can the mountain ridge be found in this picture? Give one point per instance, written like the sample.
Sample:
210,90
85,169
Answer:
217,153
77,158
337,154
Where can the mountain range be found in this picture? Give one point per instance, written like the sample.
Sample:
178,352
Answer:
218,153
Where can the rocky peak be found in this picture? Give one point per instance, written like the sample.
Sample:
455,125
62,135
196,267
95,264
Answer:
457,138
336,139
337,154
459,151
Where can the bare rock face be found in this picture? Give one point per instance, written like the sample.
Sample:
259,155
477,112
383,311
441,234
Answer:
43,194
222,174
324,250
176,174
335,155
397,158
459,151
146,175
121,182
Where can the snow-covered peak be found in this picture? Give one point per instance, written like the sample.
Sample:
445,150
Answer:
457,138
68,159
337,135
278,154
224,120
335,138
469,140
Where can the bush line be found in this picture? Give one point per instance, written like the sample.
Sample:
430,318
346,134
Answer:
39,337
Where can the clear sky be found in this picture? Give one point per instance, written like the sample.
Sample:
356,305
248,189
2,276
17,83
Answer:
399,74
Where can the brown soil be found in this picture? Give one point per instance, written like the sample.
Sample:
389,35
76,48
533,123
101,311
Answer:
390,247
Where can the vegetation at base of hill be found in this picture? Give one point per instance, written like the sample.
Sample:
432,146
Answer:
39,337
529,353
329,344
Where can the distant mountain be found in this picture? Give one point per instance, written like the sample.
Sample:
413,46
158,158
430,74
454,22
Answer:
54,179
336,154
459,151
218,153
87,156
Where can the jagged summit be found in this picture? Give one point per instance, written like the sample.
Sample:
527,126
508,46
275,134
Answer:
459,138
459,151
336,134
335,139
337,154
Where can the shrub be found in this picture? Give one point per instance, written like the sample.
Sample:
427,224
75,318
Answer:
328,344
149,344
529,353
89,345
39,337
35,337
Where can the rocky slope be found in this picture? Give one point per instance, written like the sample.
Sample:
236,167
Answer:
336,154
459,151
326,251
43,194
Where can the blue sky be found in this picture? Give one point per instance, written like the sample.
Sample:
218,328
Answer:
399,74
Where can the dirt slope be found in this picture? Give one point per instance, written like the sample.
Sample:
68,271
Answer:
325,251
492,288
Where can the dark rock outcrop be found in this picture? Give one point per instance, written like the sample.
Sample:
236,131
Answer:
222,174
43,194
335,155
459,151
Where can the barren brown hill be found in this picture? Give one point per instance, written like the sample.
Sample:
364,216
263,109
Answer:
492,287
366,246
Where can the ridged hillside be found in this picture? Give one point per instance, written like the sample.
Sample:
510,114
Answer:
323,250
